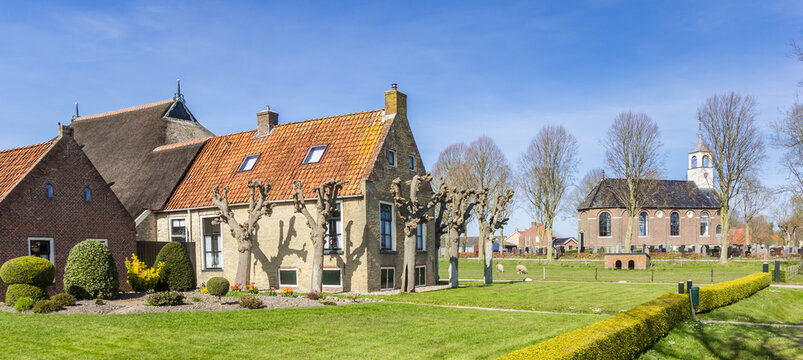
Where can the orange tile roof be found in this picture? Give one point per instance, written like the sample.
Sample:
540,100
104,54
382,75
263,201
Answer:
133,108
351,141
15,163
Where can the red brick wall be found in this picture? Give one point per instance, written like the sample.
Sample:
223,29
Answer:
66,218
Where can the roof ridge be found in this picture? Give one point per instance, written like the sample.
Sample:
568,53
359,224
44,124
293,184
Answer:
303,121
27,146
125,110
181,144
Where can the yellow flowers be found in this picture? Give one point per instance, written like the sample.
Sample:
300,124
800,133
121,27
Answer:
141,277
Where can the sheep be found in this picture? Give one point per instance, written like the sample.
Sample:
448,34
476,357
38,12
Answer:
521,269
500,268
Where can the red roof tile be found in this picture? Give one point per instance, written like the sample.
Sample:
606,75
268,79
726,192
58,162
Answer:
351,141
15,163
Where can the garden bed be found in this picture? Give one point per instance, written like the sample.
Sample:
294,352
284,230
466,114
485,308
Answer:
134,303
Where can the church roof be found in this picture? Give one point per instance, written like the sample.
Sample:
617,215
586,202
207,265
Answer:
668,194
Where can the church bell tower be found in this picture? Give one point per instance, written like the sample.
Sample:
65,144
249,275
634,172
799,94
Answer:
701,170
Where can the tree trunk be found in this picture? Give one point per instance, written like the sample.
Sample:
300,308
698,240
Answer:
726,225
487,260
408,274
746,234
548,241
629,234
481,242
453,257
317,266
243,271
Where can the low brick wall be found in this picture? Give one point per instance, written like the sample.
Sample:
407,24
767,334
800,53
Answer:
636,261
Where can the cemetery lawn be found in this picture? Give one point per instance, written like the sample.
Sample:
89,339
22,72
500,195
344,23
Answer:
564,270
571,297
368,331
692,340
773,305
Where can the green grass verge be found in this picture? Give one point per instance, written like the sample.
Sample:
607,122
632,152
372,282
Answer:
692,340
607,298
367,331
771,305
665,271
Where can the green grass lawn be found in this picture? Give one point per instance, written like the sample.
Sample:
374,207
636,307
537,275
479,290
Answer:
771,305
691,340
665,271
366,331
608,298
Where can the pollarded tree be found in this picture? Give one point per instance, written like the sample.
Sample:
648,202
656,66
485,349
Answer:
326,205
728,124
440,222
460,202
495,220
413,214
450,170
632,151
258,206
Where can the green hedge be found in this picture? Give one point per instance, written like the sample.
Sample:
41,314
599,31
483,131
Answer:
621,337
16,291
217,286
728,292
91,272
783,275
177,273
30,270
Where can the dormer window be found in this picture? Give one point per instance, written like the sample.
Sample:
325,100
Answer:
314,154
249,162
392,158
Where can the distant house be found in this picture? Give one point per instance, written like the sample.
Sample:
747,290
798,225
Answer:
51,198
568,243
472,243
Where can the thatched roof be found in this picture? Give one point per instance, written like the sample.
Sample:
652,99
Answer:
675,194
121,146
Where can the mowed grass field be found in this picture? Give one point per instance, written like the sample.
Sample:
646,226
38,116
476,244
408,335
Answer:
571,297
364,331
774,305
665,271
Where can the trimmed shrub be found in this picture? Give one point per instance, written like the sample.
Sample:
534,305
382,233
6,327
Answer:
728,292
312,295
24,303
45,306
217,286
63,299
30,270
177,272
91,271
141,277
17,291
165,298
783,275
250,302
623,336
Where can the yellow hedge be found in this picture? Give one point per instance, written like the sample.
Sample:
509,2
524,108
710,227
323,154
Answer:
621,337
728,292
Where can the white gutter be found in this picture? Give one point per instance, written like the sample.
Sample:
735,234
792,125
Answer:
245,203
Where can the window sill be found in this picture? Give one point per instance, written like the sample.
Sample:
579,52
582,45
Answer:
420,251
212,270
333,252
388,251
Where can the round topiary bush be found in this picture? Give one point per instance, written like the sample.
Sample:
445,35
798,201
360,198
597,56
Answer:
91,272
17,291
30,270
217,286
177,272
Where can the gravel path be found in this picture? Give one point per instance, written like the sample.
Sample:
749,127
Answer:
750,323
498,309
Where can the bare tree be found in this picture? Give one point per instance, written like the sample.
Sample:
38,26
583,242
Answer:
258,206
486,167
753,198
546,170
789,135
496,220
413,214
632,152
580,191
789,218
460,202
450,170
326,205
440,222
728,124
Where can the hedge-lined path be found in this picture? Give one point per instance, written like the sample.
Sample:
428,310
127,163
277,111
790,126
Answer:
787,286
498,309
749,323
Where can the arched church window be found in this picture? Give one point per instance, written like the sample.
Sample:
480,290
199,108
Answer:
704,224
642,224
705,161
674,224
605,224
693,162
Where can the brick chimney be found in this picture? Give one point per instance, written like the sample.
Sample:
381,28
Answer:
395,102
65,130
266,121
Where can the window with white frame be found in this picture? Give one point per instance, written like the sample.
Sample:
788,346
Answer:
332,277
248,163
420,275
411,162
421,237
386,218
642,223
314,154
704,224
178,229
104,241
213,245
41,247
288,277
392,158
334,236
387,278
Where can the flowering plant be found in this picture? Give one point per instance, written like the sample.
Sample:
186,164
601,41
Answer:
203,288
252,288
316,295
141,277
237,287
272,292
288,292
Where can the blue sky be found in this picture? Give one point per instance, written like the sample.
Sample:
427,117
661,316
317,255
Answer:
503,69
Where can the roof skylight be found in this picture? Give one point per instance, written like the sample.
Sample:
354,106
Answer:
249,162
314,154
